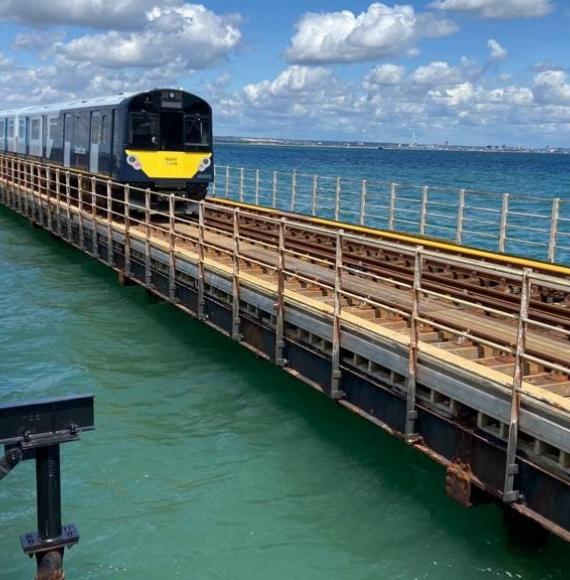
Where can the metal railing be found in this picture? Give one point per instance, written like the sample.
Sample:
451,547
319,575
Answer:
531,226
66,203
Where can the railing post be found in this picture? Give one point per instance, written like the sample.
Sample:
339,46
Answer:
227,183
235,286
392,207
241,180
504,222
411,412
80,211
49,200
336,392
109,223
274,190
94,216
201,256
68,207
424,209
257,187
58,200
127,214
172,247
363,194
147,256
293,189
337,199
510,494
553,229
460,216
314,195
280,303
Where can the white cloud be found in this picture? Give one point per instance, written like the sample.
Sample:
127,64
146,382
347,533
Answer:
497,51
385,75
437,74
378,32
497,9
551,87
190,35
117,14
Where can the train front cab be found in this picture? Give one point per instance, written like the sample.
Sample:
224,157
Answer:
168,143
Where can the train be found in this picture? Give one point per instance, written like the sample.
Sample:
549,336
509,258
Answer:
159,139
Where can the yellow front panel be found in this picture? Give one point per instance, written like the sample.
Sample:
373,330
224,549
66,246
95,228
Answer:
168,164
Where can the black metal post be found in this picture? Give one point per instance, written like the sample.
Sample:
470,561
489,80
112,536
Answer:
48,484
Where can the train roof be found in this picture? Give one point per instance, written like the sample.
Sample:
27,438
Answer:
106,101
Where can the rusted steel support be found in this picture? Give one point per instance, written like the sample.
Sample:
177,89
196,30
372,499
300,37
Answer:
50,566
201,267
280,302
94,217
58,201
80,212
236,335
510,494
336,392
48,199
411,412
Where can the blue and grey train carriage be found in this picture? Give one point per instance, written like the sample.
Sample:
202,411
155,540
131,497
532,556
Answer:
160,139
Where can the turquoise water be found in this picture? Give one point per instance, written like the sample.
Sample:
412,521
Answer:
208,463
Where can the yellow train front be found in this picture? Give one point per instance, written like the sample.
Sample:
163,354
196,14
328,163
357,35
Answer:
159,139
167,143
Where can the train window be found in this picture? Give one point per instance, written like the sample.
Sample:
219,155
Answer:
103,136
35,130
21,128
196,130
11,128
2,128
144,130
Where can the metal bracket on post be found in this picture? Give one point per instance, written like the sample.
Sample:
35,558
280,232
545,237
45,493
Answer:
510,494
236,335
280,303
411,412
201,256
336,392
35,430
171,249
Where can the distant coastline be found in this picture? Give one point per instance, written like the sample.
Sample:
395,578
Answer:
272,142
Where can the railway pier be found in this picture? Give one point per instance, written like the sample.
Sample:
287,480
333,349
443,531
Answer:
461,353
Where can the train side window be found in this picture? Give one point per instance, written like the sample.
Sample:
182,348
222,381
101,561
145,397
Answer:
103,136
2,128
144,130
21,128
35,131
11,128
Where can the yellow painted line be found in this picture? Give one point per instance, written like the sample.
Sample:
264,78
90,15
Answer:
415,240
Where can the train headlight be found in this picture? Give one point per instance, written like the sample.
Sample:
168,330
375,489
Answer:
206,162
171,95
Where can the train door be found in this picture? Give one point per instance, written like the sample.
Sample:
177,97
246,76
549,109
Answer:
95,141
44,136
67,137
80,140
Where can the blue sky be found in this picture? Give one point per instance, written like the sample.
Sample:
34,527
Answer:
464,71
